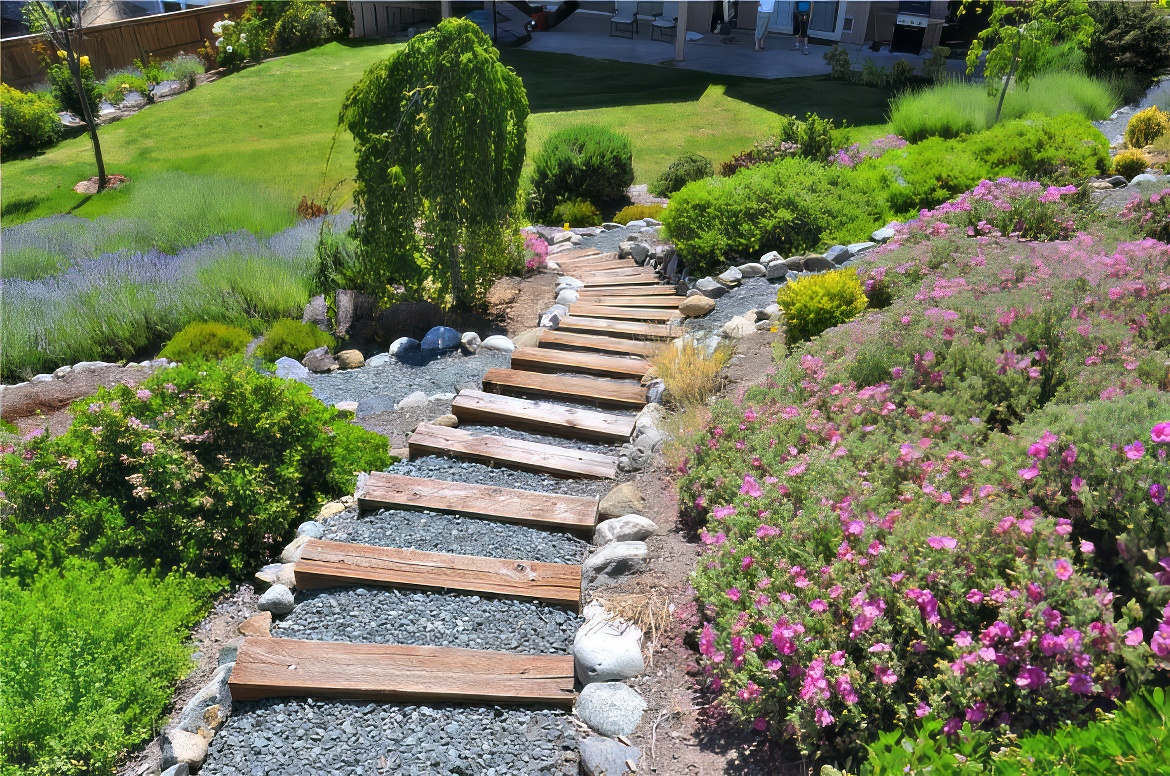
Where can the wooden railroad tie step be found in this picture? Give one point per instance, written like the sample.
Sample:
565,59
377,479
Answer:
553,360
573,254
655,302
383,490
333,564
429,439
667,291
541,417
627,329
643,314
280,668
556,339
596,281
632,270
589,268
599,392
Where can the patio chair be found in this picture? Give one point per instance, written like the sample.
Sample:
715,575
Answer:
624,15
668,21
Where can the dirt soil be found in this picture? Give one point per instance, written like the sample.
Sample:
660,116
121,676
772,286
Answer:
46,405
682,733
518,302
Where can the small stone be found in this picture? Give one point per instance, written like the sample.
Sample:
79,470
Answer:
737,328
652,222
180,746
602,756
278,599
837,254
752,270
613,562
856,249
311,529
777,270
560,237
610,708
402,345
320,360
527,339
276,574
292,552
609,226
1144,177
497,342
413,401
193,717
818,264
381,359
568,297
795,263
42,378
469,343
440,338
882,235
446,421
351,359
634,250
637,223
627,528
710,287
730,277
317,313
770,257
257,625
291,369
606,649
329,509
570,282
348,407
1117,181
61,371
696,306
550,320
622,500
772,310
180,769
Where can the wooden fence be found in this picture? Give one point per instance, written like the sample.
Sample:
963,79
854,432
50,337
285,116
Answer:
118,44
375,19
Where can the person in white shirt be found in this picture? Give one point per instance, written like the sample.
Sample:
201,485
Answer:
763,19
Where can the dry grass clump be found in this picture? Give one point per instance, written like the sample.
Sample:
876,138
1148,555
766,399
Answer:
691,374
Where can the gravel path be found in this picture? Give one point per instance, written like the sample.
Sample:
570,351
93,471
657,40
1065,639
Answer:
379,388
751,294
1114,127
451,470
381,616
511,433
303,737
435,532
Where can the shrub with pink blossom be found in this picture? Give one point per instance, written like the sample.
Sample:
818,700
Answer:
1149,215
535,252
856,153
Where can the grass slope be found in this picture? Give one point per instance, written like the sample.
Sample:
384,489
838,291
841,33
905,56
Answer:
269,128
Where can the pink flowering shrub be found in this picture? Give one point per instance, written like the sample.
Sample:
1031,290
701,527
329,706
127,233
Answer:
855,154
1149,215
536,252
953,508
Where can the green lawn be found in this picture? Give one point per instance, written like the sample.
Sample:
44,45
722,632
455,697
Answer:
268,130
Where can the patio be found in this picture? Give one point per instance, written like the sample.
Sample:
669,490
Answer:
586,33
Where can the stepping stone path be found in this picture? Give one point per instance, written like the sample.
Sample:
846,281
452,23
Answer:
322,684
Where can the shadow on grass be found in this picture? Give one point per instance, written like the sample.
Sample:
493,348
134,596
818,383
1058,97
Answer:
564,82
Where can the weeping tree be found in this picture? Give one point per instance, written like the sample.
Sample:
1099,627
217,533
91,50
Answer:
1018,34
61,24
439,133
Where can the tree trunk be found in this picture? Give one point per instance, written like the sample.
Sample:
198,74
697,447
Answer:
90,122
1008,81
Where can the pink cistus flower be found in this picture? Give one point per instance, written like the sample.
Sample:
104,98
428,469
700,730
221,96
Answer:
1158,493
943,542
824,718
1135,451
1062,568
1080,683
1032,678
885,675
1160,433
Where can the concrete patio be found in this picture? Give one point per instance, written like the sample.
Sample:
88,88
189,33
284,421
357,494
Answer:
586,34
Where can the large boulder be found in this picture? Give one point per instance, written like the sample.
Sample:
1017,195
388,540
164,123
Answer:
627,528
710,287
625,499
696,306
606,649
320,360
610,708
777,270
497,342
291,369
440,339
351,359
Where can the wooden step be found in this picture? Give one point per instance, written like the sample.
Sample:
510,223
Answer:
655,302
541,417
429,439
631,270
281,668
595,281
668,291
643,314
599,392
383,490
589,268
628,329
333,564
589,259
551,338
551,360
573,254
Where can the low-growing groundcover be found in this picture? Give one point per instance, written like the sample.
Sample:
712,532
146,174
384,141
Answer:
203,469
954,508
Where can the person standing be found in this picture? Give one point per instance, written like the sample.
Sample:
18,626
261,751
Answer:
800,13
763,21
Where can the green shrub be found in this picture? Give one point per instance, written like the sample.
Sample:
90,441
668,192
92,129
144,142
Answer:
923,174
183,67
206,340
1055,94
680,172
1128,38
1146,126
583,161
788,206
814,303
64,88
1130,163
88,663
575,213
28,121
287,337
304,25
205,465
638,212
1061,149
1150,216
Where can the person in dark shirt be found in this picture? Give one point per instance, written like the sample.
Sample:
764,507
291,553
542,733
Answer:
800,13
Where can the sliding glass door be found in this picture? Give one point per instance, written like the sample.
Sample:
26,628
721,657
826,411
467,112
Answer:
825,21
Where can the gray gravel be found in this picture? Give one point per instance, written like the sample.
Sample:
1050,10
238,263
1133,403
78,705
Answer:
511,433
381,616
386,385
302,737
435,532
751,294
451,470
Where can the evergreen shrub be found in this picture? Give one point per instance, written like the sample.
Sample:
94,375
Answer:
583,161
206,340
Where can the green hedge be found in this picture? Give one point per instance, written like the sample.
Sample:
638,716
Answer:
583,161
206,340
287,337
28,121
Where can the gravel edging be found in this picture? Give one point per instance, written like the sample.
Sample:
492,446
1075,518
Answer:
389,383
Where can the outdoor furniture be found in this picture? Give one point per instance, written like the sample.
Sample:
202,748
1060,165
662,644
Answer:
624,15
667,22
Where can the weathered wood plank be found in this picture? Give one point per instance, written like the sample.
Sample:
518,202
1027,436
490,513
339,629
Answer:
429,439
589,267
383,490
668,291
573,254
541,417
627,329
276,668
552,360
586,390
601,281
643,314
551,338
632,270
656,302
330,564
